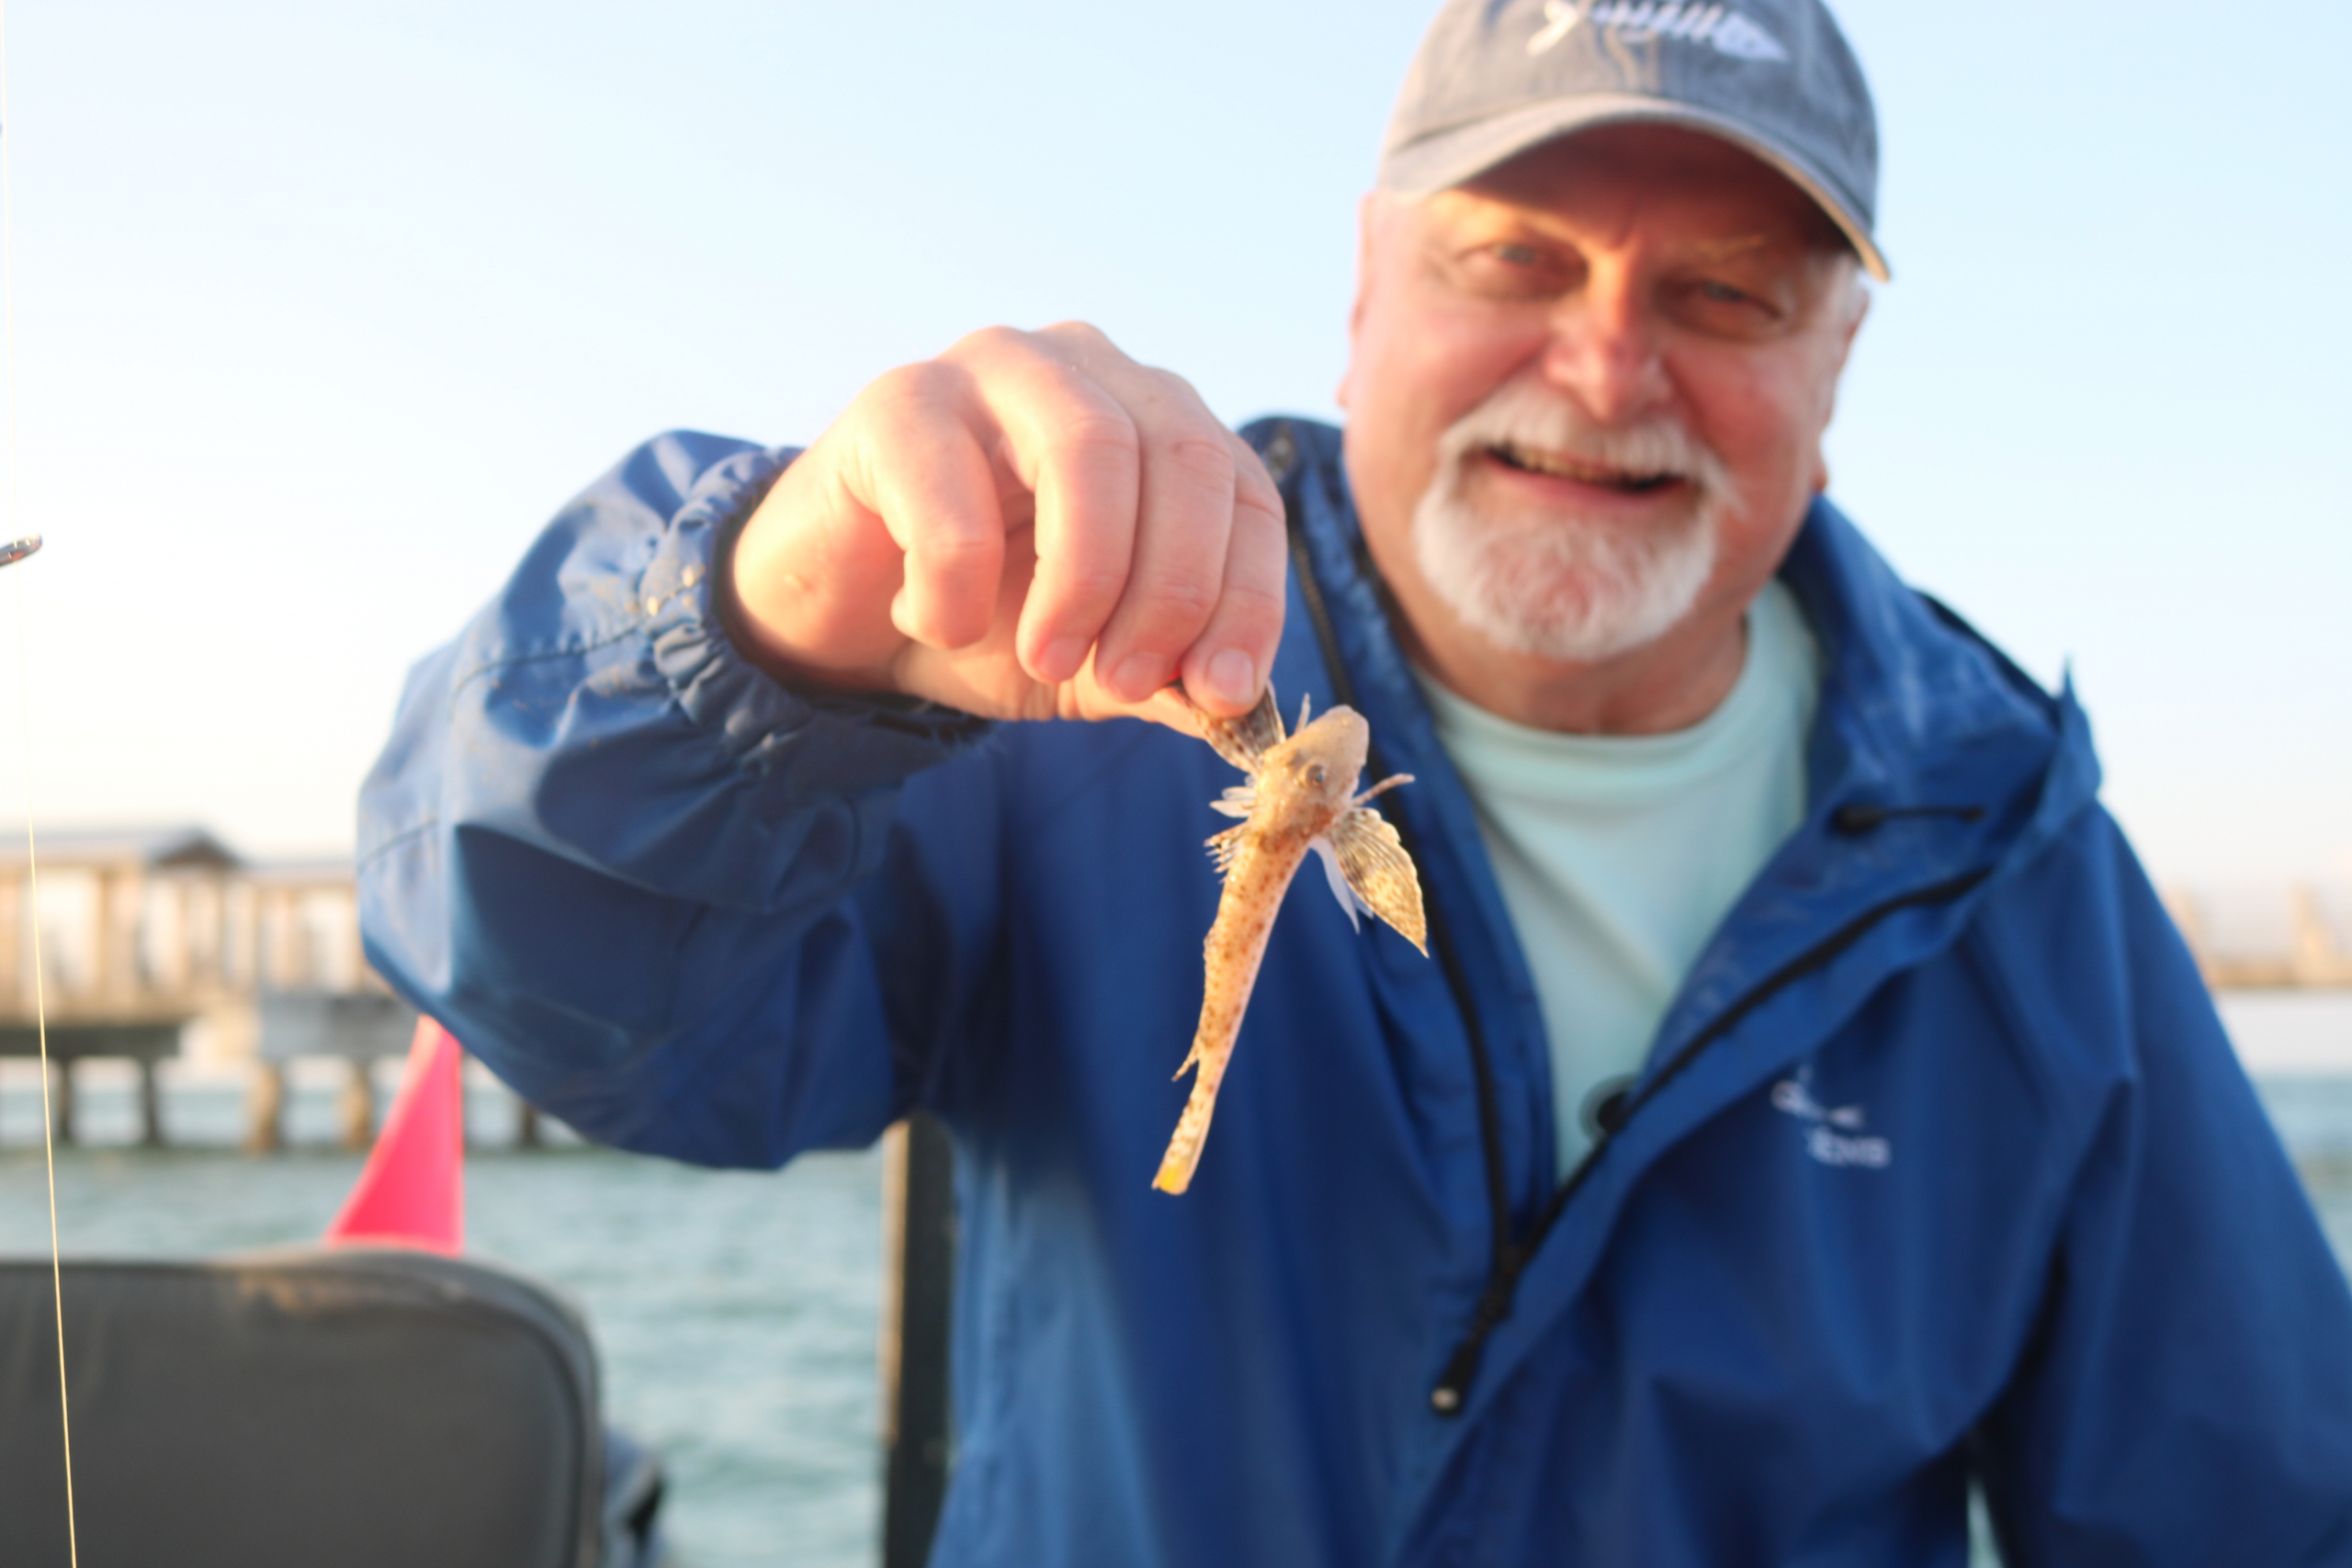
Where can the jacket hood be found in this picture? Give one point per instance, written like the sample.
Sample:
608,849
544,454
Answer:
1918,709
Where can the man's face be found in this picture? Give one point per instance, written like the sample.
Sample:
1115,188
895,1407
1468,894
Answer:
1587,393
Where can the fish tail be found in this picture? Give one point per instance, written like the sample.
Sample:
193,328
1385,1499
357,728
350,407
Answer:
1211,1050
1184,1156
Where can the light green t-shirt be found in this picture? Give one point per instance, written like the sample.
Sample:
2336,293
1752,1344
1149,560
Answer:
1618,855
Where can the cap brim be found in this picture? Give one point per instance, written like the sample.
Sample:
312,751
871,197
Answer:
1450,158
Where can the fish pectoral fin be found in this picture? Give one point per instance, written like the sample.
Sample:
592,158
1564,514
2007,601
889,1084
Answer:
1328,853
1224,846
1239,801
1245,741
1379,872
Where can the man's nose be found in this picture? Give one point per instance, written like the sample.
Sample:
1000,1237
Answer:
1604,352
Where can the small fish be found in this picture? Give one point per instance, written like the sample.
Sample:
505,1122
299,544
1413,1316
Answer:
1301,795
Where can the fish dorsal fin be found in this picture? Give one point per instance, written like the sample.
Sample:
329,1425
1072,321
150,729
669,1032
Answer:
1245,741
1378,871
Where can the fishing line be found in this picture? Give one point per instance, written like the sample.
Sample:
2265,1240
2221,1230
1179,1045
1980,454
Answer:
10,556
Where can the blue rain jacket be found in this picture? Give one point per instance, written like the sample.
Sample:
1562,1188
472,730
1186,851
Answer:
1940,1166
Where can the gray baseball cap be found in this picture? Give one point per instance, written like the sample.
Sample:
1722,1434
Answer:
1496,77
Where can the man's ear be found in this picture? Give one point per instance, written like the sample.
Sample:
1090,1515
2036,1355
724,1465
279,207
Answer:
1367,214
1857,307
1858,310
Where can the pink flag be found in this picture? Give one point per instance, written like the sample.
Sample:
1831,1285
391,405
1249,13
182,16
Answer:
412,1192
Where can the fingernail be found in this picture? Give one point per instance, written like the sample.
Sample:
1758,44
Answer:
1137,676
1232,677
1060,661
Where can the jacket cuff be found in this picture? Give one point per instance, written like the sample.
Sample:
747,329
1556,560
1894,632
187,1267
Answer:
810,743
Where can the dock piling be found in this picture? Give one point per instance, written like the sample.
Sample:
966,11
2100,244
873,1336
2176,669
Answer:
265,1108
355,1108
150,1104
61,1099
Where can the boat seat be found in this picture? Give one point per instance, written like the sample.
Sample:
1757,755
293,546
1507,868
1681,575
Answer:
351,1407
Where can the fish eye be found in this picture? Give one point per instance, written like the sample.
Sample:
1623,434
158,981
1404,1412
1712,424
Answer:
1315,775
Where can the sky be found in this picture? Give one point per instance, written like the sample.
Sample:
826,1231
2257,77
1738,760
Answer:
322,310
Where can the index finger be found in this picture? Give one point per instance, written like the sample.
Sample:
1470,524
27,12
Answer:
1066,439
1229,663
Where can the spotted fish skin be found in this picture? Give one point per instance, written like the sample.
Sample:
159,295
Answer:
1301,797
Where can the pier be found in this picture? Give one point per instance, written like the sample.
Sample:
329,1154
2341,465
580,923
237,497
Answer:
162,943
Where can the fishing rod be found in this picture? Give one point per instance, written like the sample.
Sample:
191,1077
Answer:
10,554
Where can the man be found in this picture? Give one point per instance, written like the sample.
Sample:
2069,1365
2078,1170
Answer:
1807,1109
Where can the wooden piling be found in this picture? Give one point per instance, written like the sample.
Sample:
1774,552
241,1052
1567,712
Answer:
356,1109
61,1099
150,1103
265,1108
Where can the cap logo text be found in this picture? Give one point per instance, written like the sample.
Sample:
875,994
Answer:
1694,22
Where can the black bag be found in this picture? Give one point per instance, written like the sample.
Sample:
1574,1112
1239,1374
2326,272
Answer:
359,1408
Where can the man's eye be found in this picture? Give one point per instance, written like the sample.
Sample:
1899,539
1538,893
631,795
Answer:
1712,305
1511,269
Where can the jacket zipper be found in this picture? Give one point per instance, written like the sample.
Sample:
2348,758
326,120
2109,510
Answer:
1508,1255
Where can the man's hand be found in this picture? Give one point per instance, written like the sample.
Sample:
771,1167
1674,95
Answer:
1031,525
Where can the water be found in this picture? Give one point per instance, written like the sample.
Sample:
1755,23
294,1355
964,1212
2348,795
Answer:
735,1312
2298,1046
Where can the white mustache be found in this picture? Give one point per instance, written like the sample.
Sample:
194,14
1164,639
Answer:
1534,422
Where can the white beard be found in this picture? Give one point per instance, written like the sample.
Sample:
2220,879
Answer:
1558,585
